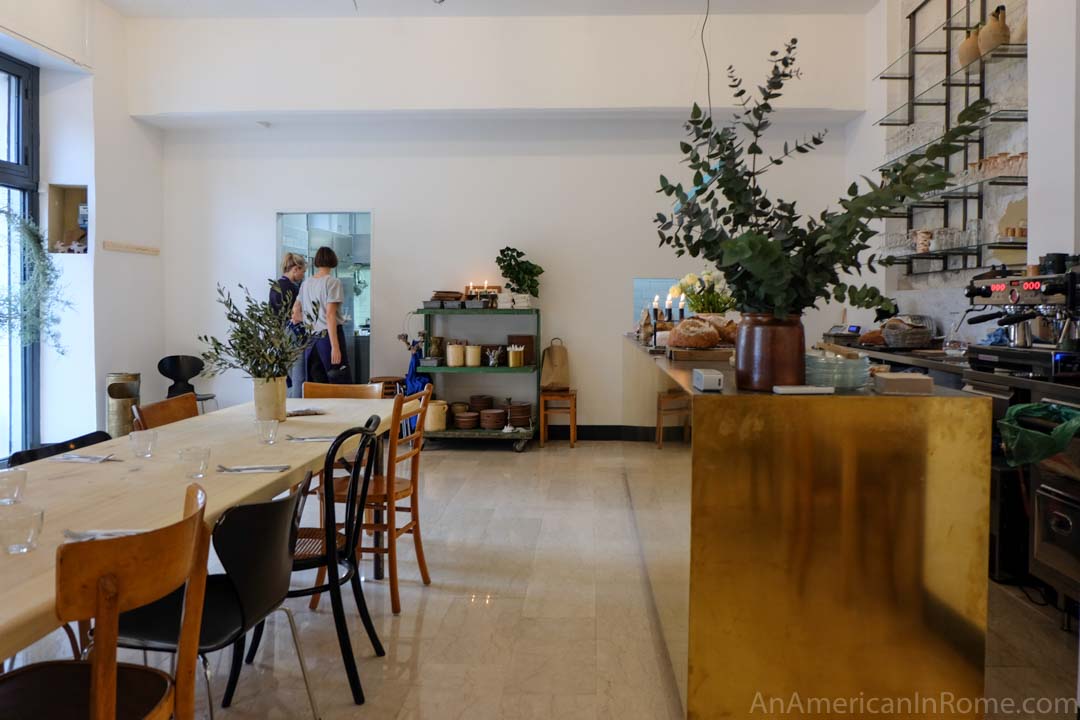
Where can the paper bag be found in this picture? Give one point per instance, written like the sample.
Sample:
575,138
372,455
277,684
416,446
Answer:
555,371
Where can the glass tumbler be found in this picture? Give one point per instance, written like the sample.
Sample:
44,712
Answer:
194,461
266,430
12,485
20,527
142,442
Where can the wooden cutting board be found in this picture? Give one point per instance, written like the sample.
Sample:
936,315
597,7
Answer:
705,355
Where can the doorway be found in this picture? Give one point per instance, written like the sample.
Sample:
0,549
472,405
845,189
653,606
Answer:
349,235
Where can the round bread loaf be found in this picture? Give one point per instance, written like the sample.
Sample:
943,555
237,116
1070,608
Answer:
694,333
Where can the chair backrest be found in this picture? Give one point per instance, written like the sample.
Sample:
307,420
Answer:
100,579
392,384
406,443
255,545
168,411
371,391
360,474
24,456
180,369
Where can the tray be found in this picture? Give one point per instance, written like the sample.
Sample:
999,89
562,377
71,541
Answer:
707,354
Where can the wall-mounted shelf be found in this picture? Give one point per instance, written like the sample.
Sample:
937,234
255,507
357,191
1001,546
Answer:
481,369
1003,115
934,42
972,257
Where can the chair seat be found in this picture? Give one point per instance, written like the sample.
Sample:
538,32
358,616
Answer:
203,397
157,626
61,691
377,492
311,544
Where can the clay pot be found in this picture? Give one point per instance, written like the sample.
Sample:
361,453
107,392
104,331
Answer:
770,351
995,33
968,52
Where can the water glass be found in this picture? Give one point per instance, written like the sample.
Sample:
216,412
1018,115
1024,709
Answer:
20,527
194,461
12,485
266,431
142,442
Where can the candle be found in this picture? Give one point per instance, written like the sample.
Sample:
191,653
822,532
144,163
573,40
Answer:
485,286
656,302
668,303
682,308
667,308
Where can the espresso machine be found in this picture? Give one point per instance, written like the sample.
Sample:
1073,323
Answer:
1040,314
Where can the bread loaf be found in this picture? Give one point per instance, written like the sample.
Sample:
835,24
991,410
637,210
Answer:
694,333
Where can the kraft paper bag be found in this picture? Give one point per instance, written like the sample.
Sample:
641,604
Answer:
555,371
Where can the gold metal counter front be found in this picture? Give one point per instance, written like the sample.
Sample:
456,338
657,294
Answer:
838,554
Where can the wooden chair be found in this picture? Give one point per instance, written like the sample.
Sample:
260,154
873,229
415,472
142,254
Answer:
168,411
100,579
672,403
371,391
387,489
570,408
392,384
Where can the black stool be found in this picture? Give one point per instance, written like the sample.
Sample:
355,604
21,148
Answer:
181,369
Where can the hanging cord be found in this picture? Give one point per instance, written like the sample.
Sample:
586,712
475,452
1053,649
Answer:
705,52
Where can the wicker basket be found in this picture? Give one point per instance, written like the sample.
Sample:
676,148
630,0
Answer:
899,334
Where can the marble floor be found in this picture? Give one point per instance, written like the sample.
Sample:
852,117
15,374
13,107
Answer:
538,607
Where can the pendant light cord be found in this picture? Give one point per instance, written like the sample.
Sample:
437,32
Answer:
705,52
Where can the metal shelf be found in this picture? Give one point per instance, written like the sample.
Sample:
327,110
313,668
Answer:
1004,115
932,43
476,311
943,256
524,369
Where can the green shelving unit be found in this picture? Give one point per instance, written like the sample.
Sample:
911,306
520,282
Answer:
520,436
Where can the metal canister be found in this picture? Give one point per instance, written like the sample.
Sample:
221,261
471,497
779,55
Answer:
122,391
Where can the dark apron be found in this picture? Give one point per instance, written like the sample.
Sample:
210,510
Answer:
317,360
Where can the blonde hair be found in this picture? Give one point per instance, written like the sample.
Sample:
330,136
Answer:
292,260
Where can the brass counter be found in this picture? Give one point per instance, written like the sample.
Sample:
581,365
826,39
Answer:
837,551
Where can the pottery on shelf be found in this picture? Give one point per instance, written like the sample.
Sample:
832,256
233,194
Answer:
522,301
995,33
968,52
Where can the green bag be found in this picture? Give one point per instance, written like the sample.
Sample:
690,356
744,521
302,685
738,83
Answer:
1026,446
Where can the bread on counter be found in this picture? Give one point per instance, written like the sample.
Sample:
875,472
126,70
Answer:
695,333
874,337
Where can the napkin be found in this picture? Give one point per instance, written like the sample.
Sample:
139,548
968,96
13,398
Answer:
247,469
84,535
77,458
311,438
301,412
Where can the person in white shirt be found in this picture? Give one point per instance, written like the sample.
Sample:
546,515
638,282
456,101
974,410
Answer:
326,359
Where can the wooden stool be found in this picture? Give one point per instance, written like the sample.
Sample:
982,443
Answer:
672,403
567,396
392,384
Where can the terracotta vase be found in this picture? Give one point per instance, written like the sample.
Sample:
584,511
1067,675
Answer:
995,33
270,398
770,351
968,52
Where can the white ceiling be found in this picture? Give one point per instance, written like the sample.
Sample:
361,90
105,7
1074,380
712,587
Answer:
399,8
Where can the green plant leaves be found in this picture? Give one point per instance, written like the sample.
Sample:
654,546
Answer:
522,276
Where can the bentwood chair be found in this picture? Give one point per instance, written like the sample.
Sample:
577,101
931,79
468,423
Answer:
164,412
255,545
371,391
100,579
332,548
25,456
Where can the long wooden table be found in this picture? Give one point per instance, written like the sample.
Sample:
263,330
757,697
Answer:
144,494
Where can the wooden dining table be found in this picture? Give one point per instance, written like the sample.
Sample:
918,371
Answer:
134,493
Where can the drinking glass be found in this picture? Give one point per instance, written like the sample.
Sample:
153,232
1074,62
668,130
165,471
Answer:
266,431
12,485
20,526
142,442
194,461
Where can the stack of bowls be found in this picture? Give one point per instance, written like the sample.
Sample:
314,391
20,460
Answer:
466,420
478,403
492,419
520,413
826,370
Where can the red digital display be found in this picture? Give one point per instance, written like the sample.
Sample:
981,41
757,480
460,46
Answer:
1032,285
998,287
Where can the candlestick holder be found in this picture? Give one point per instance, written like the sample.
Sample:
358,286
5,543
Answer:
667,314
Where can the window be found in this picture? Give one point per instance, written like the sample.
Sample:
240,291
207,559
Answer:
19,174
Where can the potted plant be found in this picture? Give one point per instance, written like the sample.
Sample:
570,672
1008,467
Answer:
522,276
705,295
260,344
30,310
778,262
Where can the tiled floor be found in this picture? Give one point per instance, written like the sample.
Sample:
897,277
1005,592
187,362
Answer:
539,607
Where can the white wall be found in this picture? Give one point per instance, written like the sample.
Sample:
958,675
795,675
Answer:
577,195
57,27
262,67
68,404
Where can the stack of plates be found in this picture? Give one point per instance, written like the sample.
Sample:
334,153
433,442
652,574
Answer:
492,419
520,413
466,420
832,371
481,402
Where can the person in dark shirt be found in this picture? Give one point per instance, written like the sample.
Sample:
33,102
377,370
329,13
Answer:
283,295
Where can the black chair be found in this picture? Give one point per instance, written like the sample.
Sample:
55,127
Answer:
255,545
331,547
181,369
25,456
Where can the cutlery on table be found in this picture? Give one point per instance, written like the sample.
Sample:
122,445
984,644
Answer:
77,458
253,468
310,438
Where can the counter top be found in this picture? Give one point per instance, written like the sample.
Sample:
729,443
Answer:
957,366
682,371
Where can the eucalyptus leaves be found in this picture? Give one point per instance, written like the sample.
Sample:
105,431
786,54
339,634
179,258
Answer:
259,342
774,259
31,309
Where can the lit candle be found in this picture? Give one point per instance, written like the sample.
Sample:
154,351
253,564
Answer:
656,302
667,308
485,286
668,303
682,307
